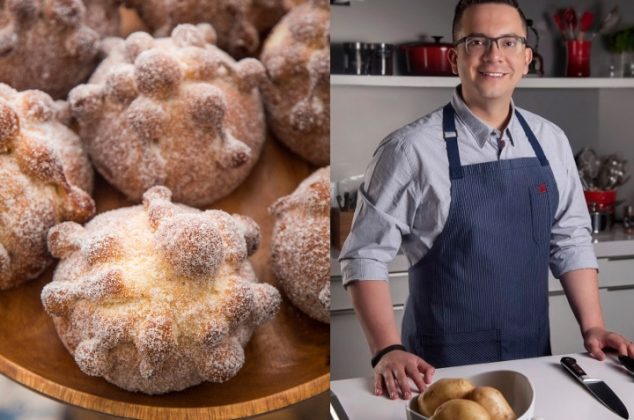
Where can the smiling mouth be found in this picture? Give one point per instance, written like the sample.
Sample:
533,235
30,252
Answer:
496,75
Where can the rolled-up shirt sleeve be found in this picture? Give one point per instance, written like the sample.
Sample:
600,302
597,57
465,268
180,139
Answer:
385,211
571,238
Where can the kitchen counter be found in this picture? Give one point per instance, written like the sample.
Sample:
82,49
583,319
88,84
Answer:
557,395
613,243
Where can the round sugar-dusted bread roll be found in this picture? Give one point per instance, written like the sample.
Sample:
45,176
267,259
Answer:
52,45
45,178
158,297
238,23
297,59
173,111
300,247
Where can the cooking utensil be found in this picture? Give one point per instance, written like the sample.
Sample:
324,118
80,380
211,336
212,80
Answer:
381,59
628,228
356,58
598,388
600,220
427,58
628,362
337,58
560,22
336,409
341,203
609,21
588,163
350,201
605,178
536,66
586,21
570,18
612,173
607,173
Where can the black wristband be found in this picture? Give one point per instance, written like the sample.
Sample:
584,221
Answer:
379,354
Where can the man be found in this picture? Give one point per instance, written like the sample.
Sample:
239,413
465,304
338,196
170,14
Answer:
482,197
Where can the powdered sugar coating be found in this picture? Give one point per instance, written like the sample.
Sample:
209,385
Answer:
238,23
52,45
191,245
45,178
300,247
156,73
172,111
157,297
296,56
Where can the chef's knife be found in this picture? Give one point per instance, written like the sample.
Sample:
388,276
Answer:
336,410
598,388
628,362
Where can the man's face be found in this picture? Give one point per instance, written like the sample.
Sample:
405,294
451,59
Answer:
489,74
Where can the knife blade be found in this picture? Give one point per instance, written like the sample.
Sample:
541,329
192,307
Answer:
336,409
599,389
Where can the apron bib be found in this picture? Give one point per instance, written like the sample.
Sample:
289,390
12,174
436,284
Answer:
481,292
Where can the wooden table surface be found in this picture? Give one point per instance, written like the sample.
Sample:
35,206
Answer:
287,360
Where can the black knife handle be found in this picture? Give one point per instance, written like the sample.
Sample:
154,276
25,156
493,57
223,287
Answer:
571,365
628,362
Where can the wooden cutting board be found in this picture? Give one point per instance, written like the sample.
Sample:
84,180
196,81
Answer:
287,360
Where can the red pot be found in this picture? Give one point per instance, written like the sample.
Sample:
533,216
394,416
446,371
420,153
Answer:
428,58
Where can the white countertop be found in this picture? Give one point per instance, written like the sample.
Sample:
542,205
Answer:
613,243
557,395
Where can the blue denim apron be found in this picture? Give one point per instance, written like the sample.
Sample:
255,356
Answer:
480,294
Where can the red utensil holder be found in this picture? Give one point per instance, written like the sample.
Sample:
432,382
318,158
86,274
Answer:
604,200
578,58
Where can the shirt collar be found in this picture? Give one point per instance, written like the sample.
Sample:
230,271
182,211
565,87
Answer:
480,130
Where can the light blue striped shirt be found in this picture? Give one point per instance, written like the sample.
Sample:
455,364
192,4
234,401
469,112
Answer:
404,199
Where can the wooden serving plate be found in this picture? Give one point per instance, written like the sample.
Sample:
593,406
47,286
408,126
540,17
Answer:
287,360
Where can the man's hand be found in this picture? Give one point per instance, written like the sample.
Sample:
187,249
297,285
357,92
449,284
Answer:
372,301
597,338
392,371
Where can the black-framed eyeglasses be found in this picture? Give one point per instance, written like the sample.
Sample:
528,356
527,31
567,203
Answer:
478,44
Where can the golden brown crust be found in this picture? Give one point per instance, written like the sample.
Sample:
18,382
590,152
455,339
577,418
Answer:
296,56
172,111
45,178
238,23
300,250
52,45
158,297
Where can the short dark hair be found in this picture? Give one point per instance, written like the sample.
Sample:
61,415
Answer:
465,4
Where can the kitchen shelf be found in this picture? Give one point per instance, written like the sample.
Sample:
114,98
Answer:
444,82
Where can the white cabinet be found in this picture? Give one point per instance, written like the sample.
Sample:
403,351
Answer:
350,356
618,310
565,336
349,352
616,287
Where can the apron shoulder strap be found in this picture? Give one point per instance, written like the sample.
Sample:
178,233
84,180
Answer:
451,138
539,152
